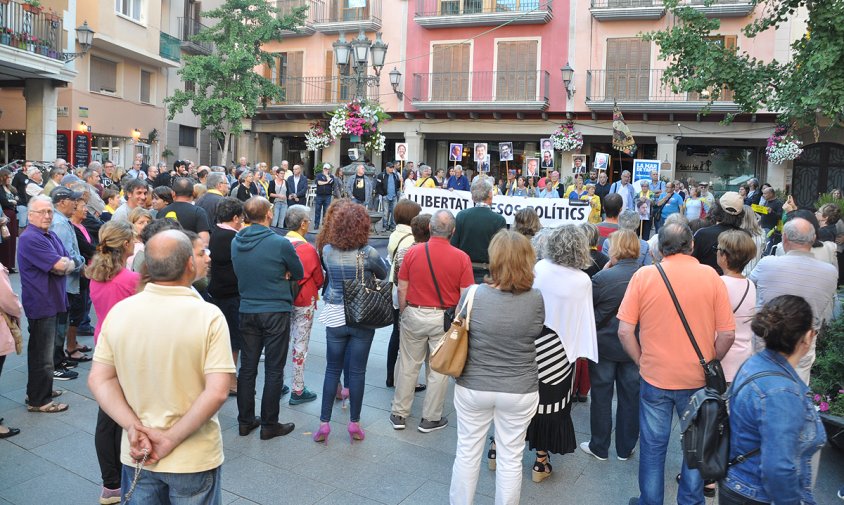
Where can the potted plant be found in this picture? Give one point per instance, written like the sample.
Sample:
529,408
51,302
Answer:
317,137
33,6
6,37
827,381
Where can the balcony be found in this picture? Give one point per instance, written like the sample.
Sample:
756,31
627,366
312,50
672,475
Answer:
492,91
723,8
187,29
456,13
642,90
170,47
286,7
335,16
621,10
31,43
317,94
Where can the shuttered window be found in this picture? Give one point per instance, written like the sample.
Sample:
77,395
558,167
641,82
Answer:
515,77
729,42
349,10
335,89
103,77
450,73
146,86
628,69
288,70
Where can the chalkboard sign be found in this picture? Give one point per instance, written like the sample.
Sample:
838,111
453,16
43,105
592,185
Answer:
61,146
81,150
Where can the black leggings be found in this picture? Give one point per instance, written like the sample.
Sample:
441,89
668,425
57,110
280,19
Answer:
107,440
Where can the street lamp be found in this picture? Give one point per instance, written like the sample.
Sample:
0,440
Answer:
356,53
395,81
85,36
568,76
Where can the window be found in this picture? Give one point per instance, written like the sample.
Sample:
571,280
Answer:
515,78
129,8
350,10
103,77
190,87
336,89
187,136
628,69
724,41
288,71
457,7
450,72
146,86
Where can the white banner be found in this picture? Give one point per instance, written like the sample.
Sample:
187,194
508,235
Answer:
552,211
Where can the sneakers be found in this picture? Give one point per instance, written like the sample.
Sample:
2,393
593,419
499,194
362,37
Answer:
63,374
426,426
398,422
304,397
285,389
584,446
68,363
109,496
627,457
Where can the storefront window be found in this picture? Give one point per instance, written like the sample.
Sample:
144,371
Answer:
725,168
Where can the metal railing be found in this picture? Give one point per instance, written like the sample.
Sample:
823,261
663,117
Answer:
189,27
285,8
336,11
319,90
621,4
467,7
638,85
483,86
169,47
32,29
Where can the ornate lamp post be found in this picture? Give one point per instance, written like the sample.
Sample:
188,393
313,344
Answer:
357,54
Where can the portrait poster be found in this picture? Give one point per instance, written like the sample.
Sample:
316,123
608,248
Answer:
547,159
482,157
578,164
532,167
401,152
602,161
546,145
643,207
505,151
455,152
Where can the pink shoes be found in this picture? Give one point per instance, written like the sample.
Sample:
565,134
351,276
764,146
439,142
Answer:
343,395
322,434
355,432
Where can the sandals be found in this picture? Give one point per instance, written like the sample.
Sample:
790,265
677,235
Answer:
55,394
77,355
81,348
542,469
50,408
491,454
12,431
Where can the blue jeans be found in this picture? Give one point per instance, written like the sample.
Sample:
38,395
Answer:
154,488
39,358
624,377
339,341
321,203
389,222
655,412
269,331
279,213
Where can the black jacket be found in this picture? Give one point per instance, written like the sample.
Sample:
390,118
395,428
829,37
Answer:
608,288
381,183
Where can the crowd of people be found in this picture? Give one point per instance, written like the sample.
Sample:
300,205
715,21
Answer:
205,252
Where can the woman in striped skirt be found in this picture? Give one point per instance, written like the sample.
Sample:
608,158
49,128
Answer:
569,334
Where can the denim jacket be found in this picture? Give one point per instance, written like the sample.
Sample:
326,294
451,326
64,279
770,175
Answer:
341,266
776,414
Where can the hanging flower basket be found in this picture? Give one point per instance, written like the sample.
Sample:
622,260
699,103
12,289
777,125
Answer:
566,138
361,119
783,146
317,138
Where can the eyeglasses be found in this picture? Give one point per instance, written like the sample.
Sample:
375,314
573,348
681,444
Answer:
722,250
45,212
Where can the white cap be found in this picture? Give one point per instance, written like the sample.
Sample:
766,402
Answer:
326,165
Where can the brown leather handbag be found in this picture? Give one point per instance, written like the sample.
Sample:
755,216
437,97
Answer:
449,356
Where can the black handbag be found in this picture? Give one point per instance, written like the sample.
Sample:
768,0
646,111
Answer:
367,301
712,371
448,315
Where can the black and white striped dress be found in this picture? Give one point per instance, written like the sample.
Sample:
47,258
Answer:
551,428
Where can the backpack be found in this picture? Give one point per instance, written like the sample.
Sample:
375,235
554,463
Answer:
705,431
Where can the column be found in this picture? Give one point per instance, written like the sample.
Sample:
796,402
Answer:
331,154
441,160
666,150
779,175
41,121
415,147
377,160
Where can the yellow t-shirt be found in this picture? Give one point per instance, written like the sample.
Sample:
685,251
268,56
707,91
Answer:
426,182
161,365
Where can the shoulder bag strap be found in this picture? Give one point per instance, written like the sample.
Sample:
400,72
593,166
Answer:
436,285
746,290
467,304
398,246
741,458
682,316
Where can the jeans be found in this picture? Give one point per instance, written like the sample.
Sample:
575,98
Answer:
393,349
40,351
154,488
107,438
230,307
321,203
345,342
389,222
270,331
624,377
279,213
655,412
475,411
727,496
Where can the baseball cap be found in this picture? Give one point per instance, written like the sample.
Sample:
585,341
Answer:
60,194
732,203
70,179
703,183
326,166
390,164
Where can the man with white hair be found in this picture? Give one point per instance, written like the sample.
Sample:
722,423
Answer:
797,273
34,187
626,190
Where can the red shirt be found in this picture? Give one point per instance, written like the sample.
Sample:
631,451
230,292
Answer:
452,267
313,278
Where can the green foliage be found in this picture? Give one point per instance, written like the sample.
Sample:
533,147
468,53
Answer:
826,198
828,371
166,153
226,87
811,84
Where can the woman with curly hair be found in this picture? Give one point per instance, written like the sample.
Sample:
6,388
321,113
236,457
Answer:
111,282
344,245
139,218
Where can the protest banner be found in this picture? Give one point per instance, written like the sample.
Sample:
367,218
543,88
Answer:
642,169
552,211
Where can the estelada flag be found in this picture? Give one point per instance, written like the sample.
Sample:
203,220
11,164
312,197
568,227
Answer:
622,138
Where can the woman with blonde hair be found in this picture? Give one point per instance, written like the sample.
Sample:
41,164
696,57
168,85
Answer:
499,380
111,282
750,224
139,218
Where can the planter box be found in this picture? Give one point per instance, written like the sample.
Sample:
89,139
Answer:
6,39
834,426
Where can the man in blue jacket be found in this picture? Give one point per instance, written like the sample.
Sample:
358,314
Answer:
265,264
626,190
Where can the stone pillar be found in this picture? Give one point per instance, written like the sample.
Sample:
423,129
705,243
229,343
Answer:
41,120
415,147
666,150
377,159
779,175
331,154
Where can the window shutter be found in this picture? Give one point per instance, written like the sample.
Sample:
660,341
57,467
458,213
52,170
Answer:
628,69
294,76
450,72
516,70
103,75
329,81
